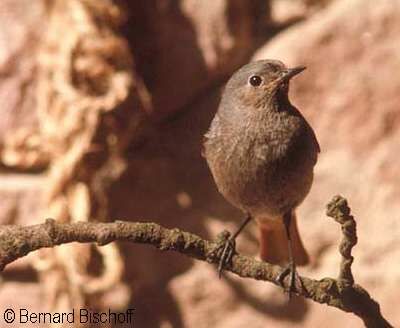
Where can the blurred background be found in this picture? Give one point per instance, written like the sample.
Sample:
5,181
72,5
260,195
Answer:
103,106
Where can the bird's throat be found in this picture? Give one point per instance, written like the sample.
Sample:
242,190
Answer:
281,100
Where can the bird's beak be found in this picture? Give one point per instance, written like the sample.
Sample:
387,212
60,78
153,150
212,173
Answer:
290,72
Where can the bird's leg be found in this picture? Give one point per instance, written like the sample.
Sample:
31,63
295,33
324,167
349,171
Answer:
225,247
291,268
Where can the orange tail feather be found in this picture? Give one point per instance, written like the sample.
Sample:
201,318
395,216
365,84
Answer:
274,243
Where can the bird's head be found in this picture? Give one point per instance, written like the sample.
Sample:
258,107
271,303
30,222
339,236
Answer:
260,84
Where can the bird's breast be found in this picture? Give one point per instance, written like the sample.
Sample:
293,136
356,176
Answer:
256,168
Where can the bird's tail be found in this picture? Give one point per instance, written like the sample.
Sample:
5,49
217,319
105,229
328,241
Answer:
274,242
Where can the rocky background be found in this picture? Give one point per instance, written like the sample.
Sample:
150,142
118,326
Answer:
103,107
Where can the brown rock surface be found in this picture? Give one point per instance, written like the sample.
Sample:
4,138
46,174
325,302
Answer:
182,47
349,96
18,47
287,11
349,93
20,198
21,295
206,47
20,32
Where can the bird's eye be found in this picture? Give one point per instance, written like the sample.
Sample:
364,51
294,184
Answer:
255,80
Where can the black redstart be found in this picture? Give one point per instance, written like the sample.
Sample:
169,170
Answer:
261,152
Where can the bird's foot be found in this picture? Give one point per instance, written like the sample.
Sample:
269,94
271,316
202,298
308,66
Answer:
224,250
295,283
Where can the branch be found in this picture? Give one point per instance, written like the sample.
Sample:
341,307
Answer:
342,293
339,210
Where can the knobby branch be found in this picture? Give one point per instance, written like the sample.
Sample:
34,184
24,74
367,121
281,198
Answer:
342,293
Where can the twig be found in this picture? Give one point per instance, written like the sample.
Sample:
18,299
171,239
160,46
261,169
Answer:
340,211
342,293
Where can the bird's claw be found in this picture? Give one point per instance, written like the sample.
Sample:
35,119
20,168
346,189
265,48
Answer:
295,283
224,250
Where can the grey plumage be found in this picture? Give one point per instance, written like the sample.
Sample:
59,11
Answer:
260,149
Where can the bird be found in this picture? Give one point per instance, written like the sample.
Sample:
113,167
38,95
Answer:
261,152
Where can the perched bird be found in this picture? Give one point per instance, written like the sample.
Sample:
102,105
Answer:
261,152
